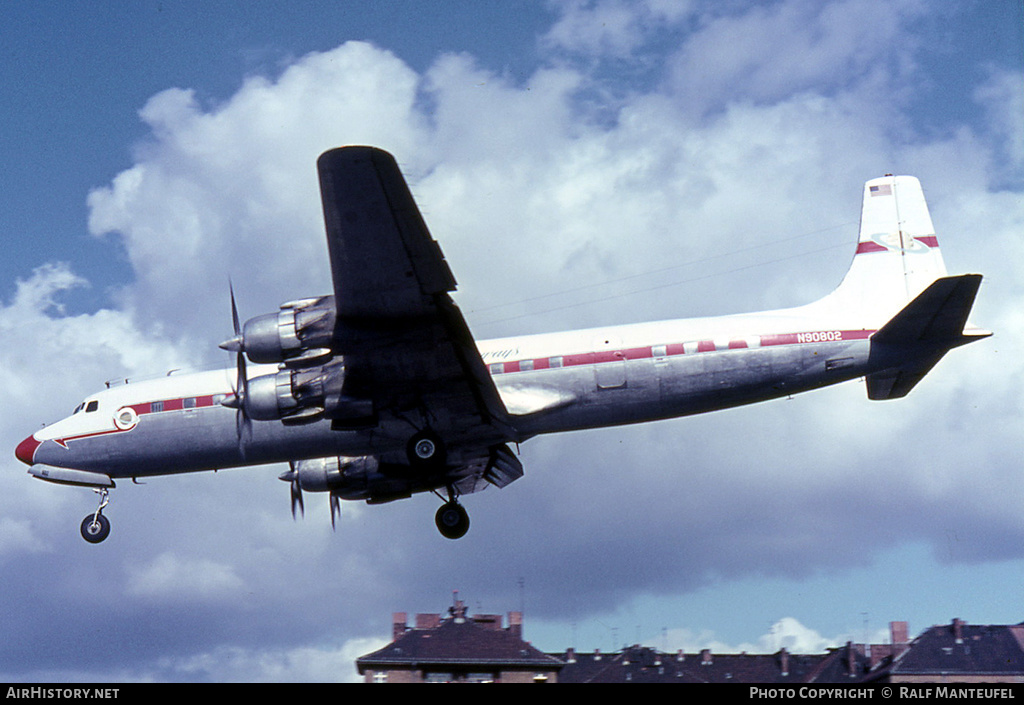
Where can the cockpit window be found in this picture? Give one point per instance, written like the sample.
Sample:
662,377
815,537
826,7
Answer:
78,408
92,406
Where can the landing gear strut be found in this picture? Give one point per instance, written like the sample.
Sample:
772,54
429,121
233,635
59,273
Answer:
452,519
95,526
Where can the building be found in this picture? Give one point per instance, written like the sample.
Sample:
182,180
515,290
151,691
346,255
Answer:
958,653
458,648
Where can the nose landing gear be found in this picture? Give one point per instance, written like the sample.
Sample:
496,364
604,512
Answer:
95,526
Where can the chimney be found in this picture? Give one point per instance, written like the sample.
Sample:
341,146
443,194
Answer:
899,633
428,621
515,624
705,657
570,655
397,625
851,659
958,630
784,661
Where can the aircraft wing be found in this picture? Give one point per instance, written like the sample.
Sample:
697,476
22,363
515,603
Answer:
405,343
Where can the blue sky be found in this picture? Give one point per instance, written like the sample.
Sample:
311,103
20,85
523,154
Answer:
581,163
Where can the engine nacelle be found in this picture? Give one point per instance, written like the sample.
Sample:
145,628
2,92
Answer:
300,326
352,478
290,392
335,474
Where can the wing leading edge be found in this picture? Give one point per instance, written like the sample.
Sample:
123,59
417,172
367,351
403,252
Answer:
405,343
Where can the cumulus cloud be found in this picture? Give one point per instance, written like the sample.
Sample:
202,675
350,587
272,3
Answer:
169,577
786,633
731,183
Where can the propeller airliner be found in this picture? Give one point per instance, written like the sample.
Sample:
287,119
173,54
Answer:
378,390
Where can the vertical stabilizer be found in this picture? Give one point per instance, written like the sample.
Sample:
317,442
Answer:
897,254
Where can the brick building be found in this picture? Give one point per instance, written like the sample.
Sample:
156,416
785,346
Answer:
958,653
458,648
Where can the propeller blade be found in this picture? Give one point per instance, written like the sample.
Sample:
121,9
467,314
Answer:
297,498
291,476
335,508
234,310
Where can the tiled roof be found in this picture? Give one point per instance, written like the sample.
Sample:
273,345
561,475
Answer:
459,642
637,664
959,648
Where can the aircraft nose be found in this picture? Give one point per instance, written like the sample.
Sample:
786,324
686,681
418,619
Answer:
26,450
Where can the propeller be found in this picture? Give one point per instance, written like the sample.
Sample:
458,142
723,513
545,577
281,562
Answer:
291,476
240,388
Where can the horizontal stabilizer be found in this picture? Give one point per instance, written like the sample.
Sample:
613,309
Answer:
937,315
919,335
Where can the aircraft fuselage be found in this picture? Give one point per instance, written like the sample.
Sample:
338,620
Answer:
550,383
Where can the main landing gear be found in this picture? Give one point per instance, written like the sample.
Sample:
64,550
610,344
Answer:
452,519
426,452
95,526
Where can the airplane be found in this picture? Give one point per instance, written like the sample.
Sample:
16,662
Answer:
379,390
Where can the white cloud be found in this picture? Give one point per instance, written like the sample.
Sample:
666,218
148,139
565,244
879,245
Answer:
529,194
788,633
770,52
295,665
169,577
612,28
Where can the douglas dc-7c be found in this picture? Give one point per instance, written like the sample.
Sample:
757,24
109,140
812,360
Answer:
379,390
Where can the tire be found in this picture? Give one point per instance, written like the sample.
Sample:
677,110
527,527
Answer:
452,520
426,451
95,528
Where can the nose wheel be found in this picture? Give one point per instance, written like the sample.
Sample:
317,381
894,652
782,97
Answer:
95,526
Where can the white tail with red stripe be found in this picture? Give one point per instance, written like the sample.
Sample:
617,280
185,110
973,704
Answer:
897,254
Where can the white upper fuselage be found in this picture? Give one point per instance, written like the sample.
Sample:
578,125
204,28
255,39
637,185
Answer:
548,382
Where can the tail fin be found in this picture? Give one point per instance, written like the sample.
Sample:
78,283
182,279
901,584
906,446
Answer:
897,253
917,337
